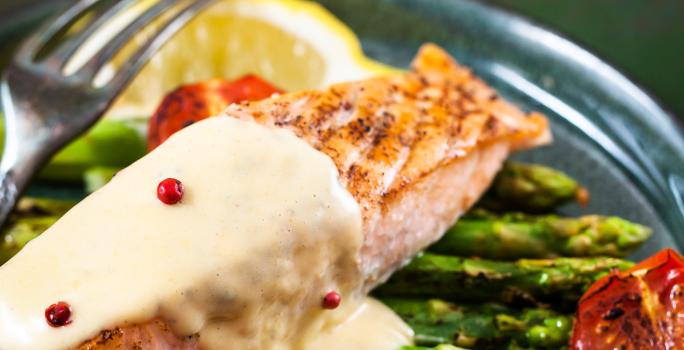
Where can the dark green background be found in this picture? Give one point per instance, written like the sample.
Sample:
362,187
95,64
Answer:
642,38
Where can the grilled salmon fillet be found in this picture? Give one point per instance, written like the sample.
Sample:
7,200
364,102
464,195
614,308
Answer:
415,150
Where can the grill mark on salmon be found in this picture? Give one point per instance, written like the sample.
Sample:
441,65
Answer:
415,150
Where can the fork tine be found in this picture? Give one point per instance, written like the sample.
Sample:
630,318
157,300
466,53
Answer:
138,59
28,50
62,54
93,65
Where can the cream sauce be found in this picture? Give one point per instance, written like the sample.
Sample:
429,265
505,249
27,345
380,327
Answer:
263,231
365,325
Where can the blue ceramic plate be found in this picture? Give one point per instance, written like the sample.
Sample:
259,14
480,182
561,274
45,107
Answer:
609,134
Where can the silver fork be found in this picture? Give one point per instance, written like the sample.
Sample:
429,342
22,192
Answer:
45,108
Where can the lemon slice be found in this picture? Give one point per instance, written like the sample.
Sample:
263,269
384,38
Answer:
292,43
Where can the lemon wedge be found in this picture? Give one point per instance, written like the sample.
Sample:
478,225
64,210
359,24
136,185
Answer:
294,44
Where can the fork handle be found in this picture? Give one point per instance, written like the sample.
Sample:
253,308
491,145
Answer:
9,195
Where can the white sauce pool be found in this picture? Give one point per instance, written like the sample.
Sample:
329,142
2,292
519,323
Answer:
263,231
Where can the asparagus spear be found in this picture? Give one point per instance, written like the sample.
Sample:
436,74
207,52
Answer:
482,326
531,188
41,207
559,281
515,236
111,143
18,233
115,143
31,218
438,347
96,177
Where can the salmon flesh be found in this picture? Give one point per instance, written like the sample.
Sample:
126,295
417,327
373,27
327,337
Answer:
415,150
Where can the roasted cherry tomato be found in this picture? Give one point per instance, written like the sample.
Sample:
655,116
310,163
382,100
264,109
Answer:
641,308
194,102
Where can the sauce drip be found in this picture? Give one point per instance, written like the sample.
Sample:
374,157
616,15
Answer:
264,228
364,324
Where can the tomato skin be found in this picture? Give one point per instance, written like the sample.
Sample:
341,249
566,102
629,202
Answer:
604,318
194,102
641,308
